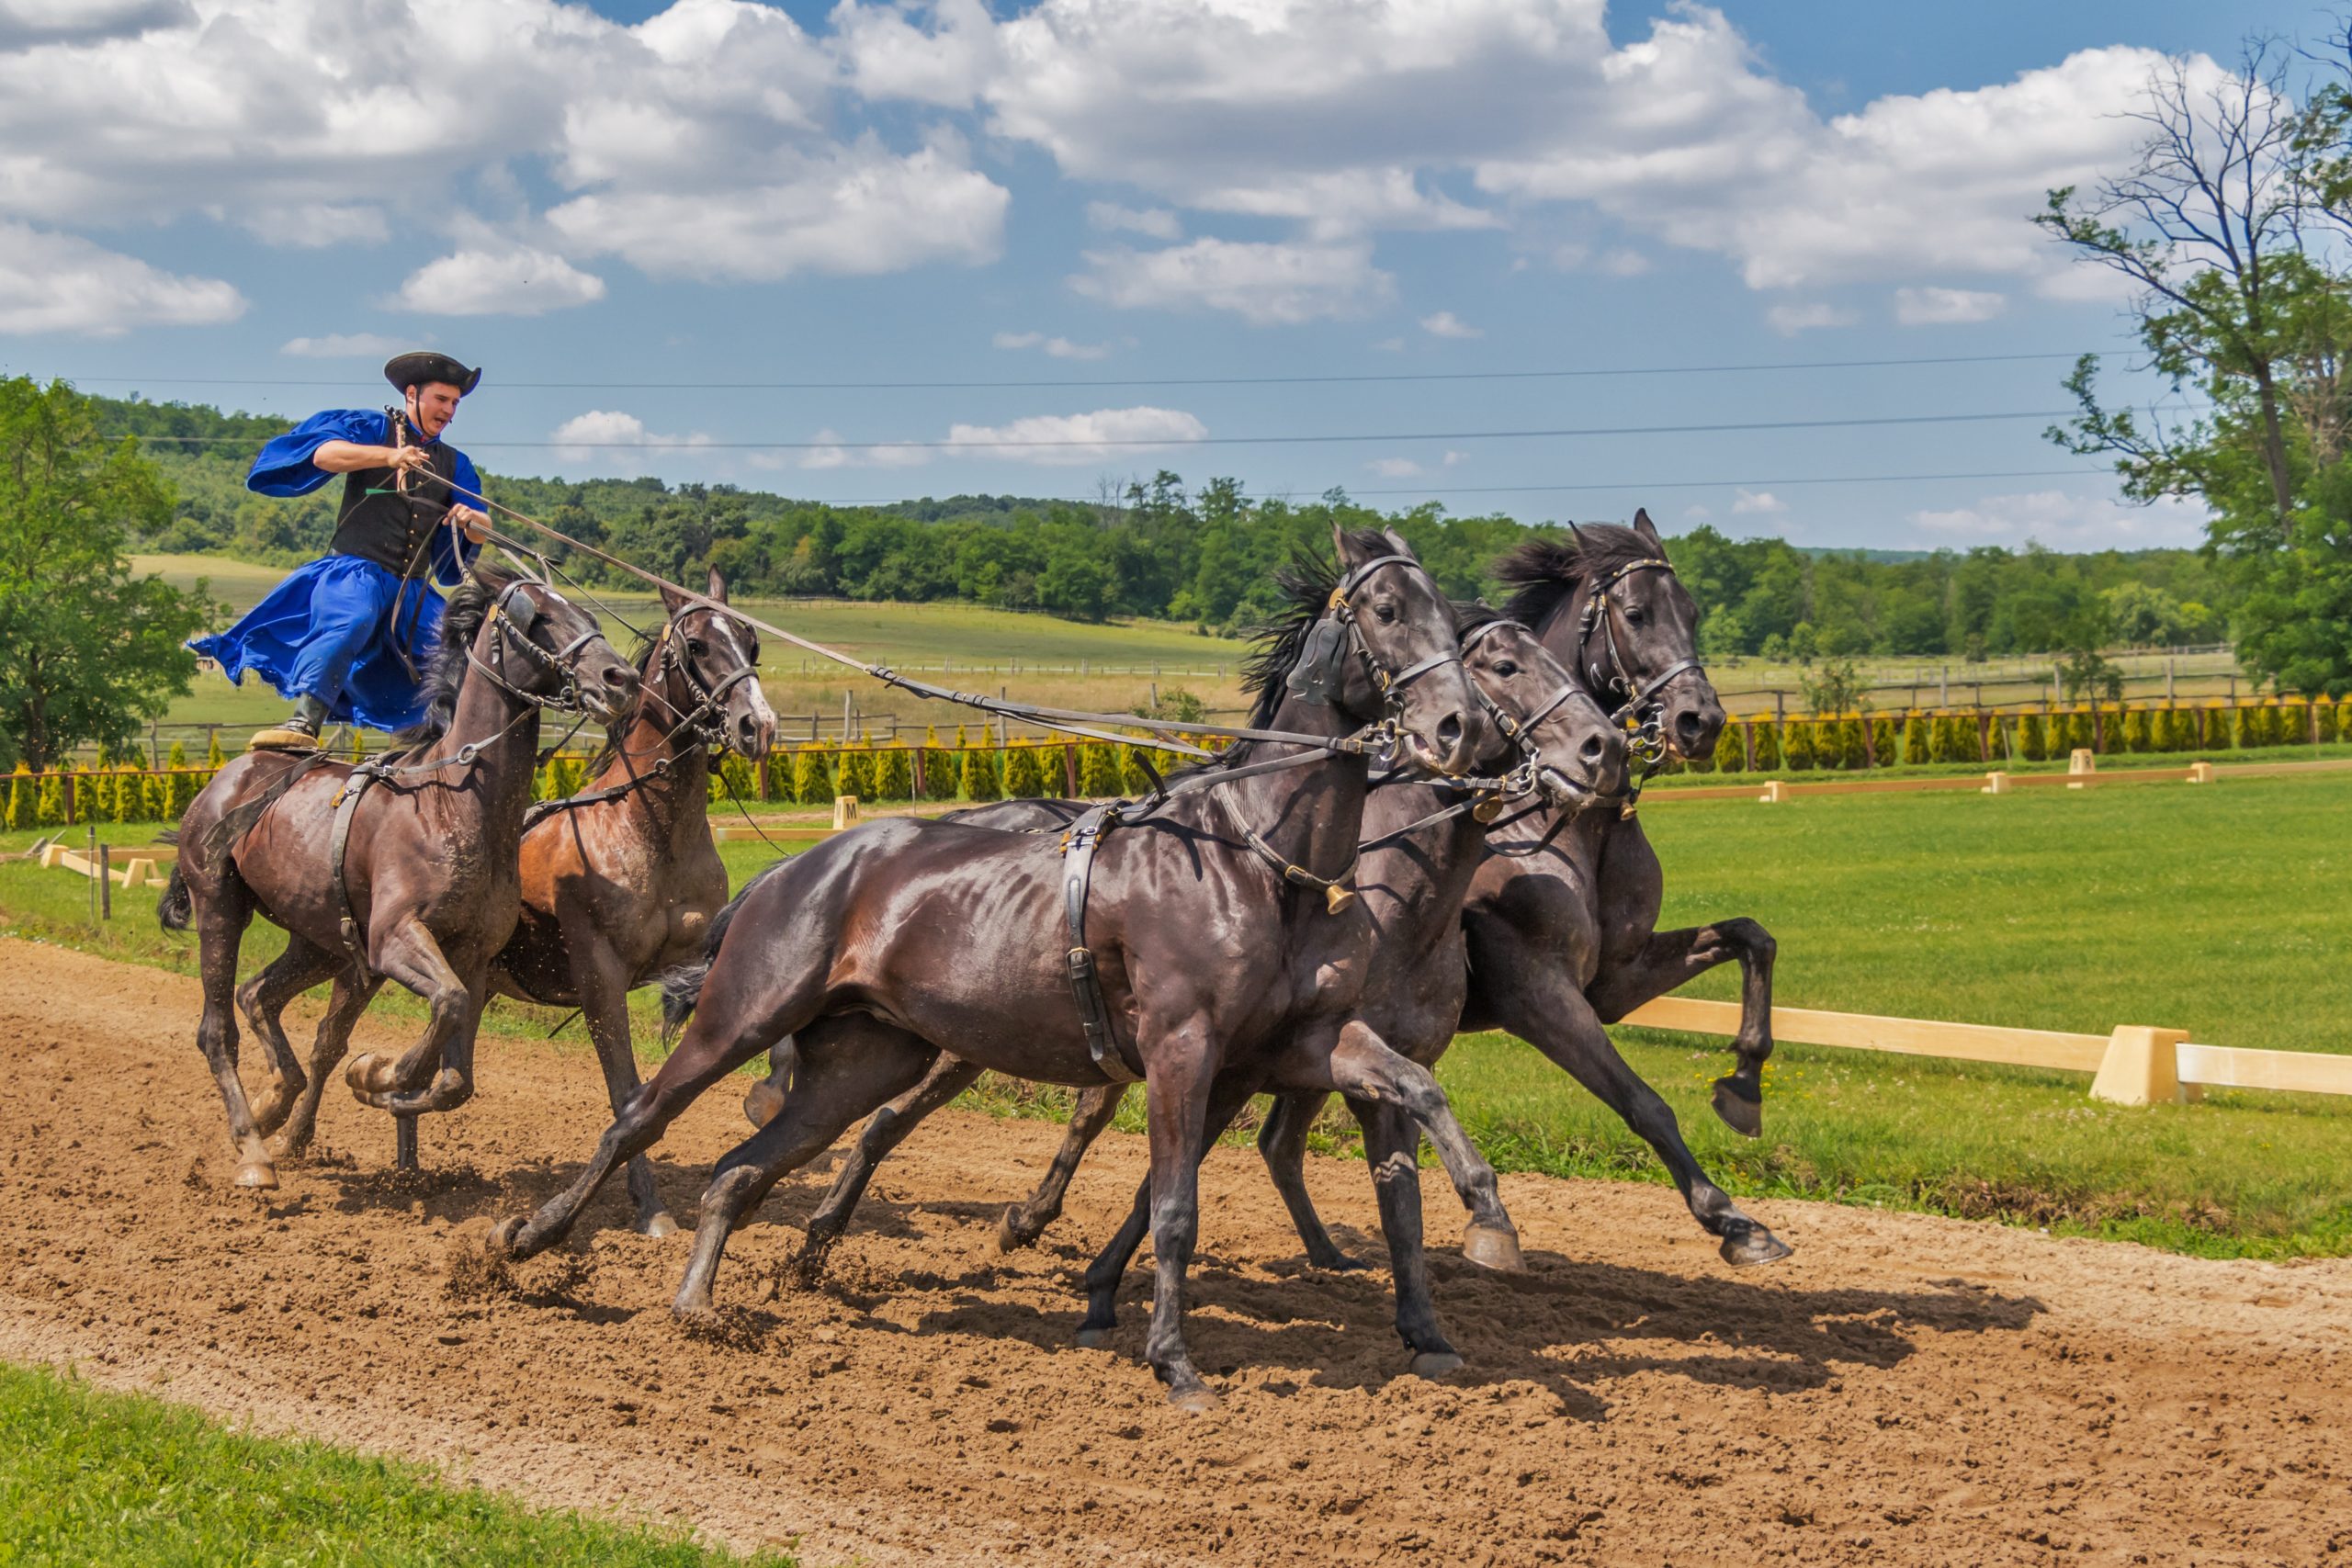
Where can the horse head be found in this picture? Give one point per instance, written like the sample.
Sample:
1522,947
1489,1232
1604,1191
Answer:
1577,755
715,657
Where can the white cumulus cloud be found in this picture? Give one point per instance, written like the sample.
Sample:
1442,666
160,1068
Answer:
62,282
1266,284
1152,222
2067,521
1757,503
1789,320
1945,307
516,281
1054,348
343,345
1445,324
1067,440
1395,467
610,436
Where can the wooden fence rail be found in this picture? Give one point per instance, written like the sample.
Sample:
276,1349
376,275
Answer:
2132,1066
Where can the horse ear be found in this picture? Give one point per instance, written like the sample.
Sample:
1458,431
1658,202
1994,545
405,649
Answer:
672,600
1396,542
716,591
1645,528
1344,543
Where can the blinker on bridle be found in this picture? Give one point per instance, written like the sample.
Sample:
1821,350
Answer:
1314,678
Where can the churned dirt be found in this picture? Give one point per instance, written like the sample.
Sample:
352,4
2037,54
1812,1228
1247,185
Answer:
1904,1390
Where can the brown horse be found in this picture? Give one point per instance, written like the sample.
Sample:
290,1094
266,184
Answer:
1561,921
1416,868
620,881
1217,937
415,881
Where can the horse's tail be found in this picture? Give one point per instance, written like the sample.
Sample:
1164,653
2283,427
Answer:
682,986
177,906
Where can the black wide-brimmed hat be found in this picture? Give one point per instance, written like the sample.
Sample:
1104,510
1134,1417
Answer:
420,366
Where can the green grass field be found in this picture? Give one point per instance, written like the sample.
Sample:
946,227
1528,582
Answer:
93,1478
2216,910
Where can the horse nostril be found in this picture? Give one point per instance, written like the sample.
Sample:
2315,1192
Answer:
1688,726
1593,750
1448,733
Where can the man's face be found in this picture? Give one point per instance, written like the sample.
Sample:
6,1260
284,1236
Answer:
432,406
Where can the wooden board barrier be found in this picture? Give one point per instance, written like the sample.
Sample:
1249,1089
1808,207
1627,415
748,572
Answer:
1905,1036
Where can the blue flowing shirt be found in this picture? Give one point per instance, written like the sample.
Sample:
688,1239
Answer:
285,469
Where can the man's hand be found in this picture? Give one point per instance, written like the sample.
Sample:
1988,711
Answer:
405,458
475,522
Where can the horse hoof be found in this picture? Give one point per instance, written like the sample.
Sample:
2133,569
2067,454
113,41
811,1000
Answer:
1336,1262
256,1173
1093,1338
1435,1363
503,1236
761,1103
1741,1109
660,1224
1748,1248
368,1074
1198,1400
1489,1248
1009,1238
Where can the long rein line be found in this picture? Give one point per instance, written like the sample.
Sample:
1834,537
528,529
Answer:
1074,721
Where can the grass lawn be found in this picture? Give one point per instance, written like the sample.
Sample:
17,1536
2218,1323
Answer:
90,1478
2216,910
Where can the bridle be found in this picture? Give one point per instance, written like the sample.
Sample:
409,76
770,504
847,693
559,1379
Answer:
1642,714
1314,677
514,617
702,721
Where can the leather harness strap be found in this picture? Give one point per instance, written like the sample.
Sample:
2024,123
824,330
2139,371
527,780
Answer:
1079,844
346,806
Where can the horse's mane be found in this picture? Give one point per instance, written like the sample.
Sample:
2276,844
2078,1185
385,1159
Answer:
444,671
1546,571
1305,581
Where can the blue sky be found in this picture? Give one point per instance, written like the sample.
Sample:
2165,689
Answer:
223,201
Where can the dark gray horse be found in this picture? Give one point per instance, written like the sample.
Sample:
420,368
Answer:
1220,949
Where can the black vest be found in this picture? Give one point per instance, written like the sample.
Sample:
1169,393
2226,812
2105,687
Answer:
378,523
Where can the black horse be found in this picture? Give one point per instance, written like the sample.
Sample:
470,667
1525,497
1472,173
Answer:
1223,938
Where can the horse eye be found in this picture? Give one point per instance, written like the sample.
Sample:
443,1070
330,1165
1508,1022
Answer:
1632,617
696,647
1386,609
1505,667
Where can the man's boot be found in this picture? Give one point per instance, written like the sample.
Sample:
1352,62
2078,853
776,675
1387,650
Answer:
299,733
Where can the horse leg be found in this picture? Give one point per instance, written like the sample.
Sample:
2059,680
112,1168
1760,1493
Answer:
1664,961
1024,1223
344,1004
1543,1006
732,1023
1281,1143
1361,1066
765,1097
1392,1147
885,1131
601,987
1110,1266
262,1000
830,1089
1177,1097
413,958
220,934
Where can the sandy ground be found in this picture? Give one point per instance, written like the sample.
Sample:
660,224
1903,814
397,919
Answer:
1904,1390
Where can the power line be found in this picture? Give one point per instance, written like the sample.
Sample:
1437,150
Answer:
983,447
1784,481
1578,373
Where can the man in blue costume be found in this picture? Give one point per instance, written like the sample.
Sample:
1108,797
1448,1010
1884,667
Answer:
347,636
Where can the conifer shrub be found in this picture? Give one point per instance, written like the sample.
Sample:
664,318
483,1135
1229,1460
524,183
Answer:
2294,724
1796,746
179,786
894,775
1852,753
1098,770
2139,731
1997,741
855,775
979,777
1885,746
2245,728
1938,736
2344,720
1133,779
812,777
214,758
2323,722
2033,741
1915,737
1731,748
49,801
1023,778
1768,759
2215,727
129,797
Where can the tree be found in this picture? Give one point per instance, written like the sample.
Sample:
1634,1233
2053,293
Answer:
89,651
2221,228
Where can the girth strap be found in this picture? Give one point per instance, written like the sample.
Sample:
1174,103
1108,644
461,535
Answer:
1079,844
346,806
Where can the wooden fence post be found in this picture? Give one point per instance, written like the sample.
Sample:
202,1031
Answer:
2141,1067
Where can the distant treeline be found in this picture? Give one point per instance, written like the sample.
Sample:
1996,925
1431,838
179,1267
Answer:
1205,556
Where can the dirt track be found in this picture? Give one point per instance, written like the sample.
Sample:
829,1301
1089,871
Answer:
1905,1389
